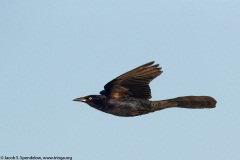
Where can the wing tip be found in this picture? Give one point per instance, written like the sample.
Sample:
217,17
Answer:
148,64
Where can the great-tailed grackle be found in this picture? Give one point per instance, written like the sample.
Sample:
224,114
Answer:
129,94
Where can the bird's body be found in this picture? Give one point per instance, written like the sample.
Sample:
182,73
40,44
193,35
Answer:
129,94
123,107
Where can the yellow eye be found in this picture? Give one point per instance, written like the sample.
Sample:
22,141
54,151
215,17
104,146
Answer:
90,98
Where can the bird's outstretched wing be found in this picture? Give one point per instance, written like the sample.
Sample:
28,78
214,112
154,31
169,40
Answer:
134,83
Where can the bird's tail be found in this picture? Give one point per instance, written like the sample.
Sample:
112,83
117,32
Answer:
192,102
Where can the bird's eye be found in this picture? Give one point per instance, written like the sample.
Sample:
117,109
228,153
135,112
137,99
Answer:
90,98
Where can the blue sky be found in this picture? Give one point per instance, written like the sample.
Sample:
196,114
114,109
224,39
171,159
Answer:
54,51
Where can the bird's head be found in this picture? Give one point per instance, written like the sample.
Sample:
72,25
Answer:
92,100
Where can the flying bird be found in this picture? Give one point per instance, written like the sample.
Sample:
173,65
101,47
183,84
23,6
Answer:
129,94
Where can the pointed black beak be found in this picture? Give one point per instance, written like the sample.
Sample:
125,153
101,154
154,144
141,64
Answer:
80,99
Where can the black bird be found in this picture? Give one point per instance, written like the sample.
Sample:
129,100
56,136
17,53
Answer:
129,94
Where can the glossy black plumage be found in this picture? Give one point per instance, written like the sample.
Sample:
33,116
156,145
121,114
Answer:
129,94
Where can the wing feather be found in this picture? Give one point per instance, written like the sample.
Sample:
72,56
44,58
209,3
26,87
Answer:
134,83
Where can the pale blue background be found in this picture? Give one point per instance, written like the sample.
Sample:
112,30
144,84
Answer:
54,51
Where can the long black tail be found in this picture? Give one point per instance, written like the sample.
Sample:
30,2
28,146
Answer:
193,102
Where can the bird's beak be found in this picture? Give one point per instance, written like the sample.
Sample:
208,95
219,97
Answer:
80,99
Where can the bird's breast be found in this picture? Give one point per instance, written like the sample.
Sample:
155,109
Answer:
127,107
